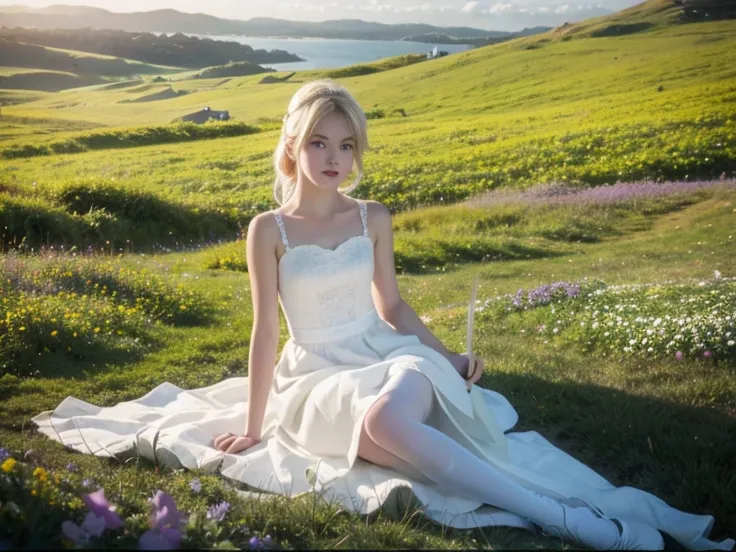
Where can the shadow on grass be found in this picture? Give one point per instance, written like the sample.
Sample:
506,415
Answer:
422,258
59,364
680,453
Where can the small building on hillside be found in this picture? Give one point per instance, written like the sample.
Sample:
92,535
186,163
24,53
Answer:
435,53
205,115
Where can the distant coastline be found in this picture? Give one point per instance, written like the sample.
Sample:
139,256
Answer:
322,53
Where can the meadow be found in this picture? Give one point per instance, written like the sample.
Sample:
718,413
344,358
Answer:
588,182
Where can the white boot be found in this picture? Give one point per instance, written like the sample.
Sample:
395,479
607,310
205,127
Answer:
586,524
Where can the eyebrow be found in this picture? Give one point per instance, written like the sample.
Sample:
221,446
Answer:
326,138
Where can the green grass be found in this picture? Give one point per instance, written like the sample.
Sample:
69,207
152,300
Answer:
634,420
562,107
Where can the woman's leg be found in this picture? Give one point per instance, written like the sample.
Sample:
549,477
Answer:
395,423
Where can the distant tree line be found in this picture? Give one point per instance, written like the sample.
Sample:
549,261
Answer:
178,50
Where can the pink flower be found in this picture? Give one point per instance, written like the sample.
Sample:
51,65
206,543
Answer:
678,355
707,354
99,506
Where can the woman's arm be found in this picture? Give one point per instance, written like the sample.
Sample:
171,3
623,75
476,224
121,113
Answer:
391,307
264,337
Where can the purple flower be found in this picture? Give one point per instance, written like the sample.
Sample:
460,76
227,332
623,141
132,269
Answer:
93,525
218,511
72,467
678,355
73,532
99,506
4,454
254,542
166,520
267,540
196,485
165,512
86,483
166,539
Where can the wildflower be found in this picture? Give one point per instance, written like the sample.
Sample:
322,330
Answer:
267,540
4,454
99,506
218,511
86,483
707,354
40,473
254,542
74,533
94,525
731,343
678,355
8,465
196,485
72,467
166,522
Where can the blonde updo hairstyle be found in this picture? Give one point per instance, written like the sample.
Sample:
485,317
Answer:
309,104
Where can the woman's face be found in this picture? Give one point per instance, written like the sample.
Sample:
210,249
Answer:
327,156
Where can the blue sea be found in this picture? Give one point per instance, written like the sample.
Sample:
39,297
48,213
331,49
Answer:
322,53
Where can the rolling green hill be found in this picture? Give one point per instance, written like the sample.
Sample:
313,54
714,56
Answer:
656,104
605,311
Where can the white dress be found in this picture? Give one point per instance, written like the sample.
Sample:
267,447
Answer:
334,366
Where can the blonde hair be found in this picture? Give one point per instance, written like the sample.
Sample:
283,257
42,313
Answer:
307,107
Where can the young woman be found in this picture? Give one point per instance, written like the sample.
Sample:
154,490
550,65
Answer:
363,397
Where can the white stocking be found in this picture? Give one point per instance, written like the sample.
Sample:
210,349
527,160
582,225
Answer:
396,423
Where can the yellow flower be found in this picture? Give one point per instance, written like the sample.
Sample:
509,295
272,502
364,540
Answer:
8,465
22,329
54,333
33,492
40,473
97,329
182,307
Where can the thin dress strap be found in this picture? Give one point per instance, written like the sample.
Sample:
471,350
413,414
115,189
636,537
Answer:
364,216
282,229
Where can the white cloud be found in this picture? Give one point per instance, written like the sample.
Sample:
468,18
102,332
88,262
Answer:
500,8
470,7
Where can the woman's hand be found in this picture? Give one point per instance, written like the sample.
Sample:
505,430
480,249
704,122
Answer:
470,373
230,443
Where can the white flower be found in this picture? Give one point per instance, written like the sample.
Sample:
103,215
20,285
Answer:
731,342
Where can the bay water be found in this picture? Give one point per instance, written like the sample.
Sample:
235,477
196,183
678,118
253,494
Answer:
324,53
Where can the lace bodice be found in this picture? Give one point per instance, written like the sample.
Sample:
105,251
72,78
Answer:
323,288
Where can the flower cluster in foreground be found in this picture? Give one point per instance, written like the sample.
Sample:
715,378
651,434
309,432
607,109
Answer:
26,488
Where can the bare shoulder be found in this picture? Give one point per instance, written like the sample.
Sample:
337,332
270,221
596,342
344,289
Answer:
378,214
264,229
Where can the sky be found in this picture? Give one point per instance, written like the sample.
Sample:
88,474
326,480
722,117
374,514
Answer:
502,15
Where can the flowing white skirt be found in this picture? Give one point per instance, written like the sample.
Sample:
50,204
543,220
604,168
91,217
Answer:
320,394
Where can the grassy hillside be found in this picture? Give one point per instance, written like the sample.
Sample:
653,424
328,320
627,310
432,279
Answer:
657,104
606,312
613,406
33,67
